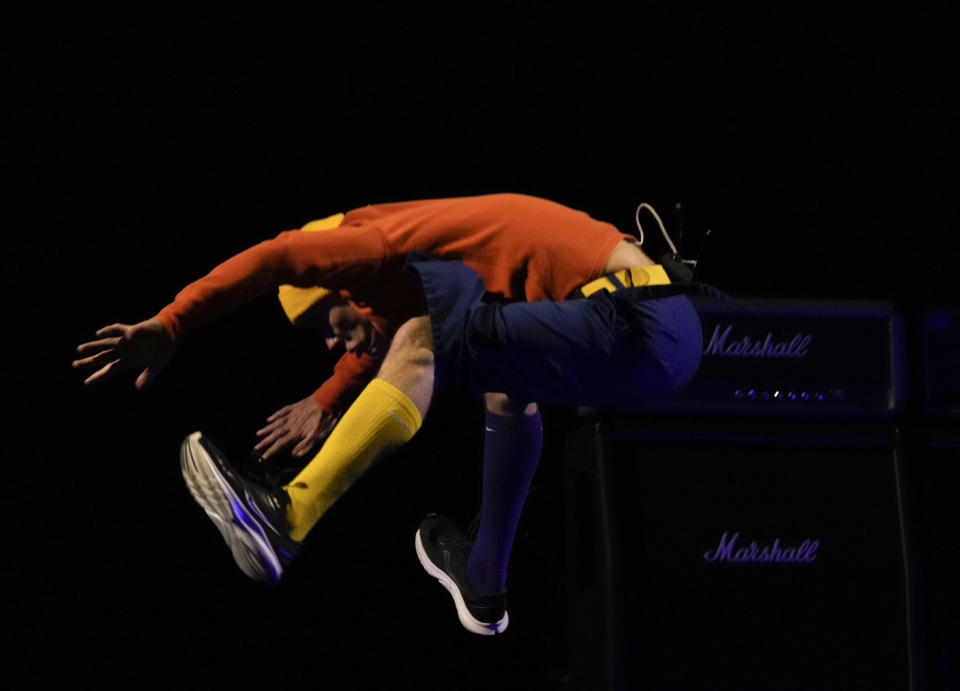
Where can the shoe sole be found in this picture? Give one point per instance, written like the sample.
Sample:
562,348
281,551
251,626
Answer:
469,622
247,541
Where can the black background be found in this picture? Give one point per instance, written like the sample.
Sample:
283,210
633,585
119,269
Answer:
147,144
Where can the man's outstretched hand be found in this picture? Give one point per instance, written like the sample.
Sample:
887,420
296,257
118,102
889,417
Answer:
303,425
123,347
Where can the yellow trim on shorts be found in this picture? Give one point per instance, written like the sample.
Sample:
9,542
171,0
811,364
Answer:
637,276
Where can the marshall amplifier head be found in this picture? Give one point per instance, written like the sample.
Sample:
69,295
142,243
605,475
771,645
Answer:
794,358
941,362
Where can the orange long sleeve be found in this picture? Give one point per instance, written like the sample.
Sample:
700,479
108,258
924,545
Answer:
343,257
350,375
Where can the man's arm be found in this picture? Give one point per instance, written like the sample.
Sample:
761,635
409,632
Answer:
305,424
351,373
336,258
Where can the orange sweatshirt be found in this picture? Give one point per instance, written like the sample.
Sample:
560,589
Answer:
524,248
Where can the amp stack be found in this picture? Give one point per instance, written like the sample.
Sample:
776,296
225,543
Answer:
750,531
932,480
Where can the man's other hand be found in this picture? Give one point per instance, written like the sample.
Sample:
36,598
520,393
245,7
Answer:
122,347
302,425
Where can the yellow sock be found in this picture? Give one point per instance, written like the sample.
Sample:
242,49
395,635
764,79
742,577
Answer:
379,421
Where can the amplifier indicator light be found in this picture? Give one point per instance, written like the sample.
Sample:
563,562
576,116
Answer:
780,396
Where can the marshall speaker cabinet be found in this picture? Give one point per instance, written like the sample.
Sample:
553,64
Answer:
932,481
748,532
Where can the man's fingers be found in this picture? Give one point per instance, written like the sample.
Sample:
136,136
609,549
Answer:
283,411
113,330
302,448
275,436
272,427
290,427
269,428
97,346
101,373
146,378
98,360
314,432
277,447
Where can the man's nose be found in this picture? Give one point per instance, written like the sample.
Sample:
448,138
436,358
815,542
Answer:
331,342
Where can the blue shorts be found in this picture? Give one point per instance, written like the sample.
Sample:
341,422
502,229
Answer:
604,351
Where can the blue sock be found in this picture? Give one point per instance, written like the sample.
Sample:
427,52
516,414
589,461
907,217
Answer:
511,452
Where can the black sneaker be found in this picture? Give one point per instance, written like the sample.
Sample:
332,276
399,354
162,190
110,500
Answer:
442,549
251,518
273,473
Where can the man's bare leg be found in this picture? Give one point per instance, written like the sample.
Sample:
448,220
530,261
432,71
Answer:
386,415
409,363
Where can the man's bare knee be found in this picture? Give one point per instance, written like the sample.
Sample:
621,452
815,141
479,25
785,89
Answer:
501,404
408,364
412,344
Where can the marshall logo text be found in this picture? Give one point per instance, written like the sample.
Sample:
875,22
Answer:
765,347
728,551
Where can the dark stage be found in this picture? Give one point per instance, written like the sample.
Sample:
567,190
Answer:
816,145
